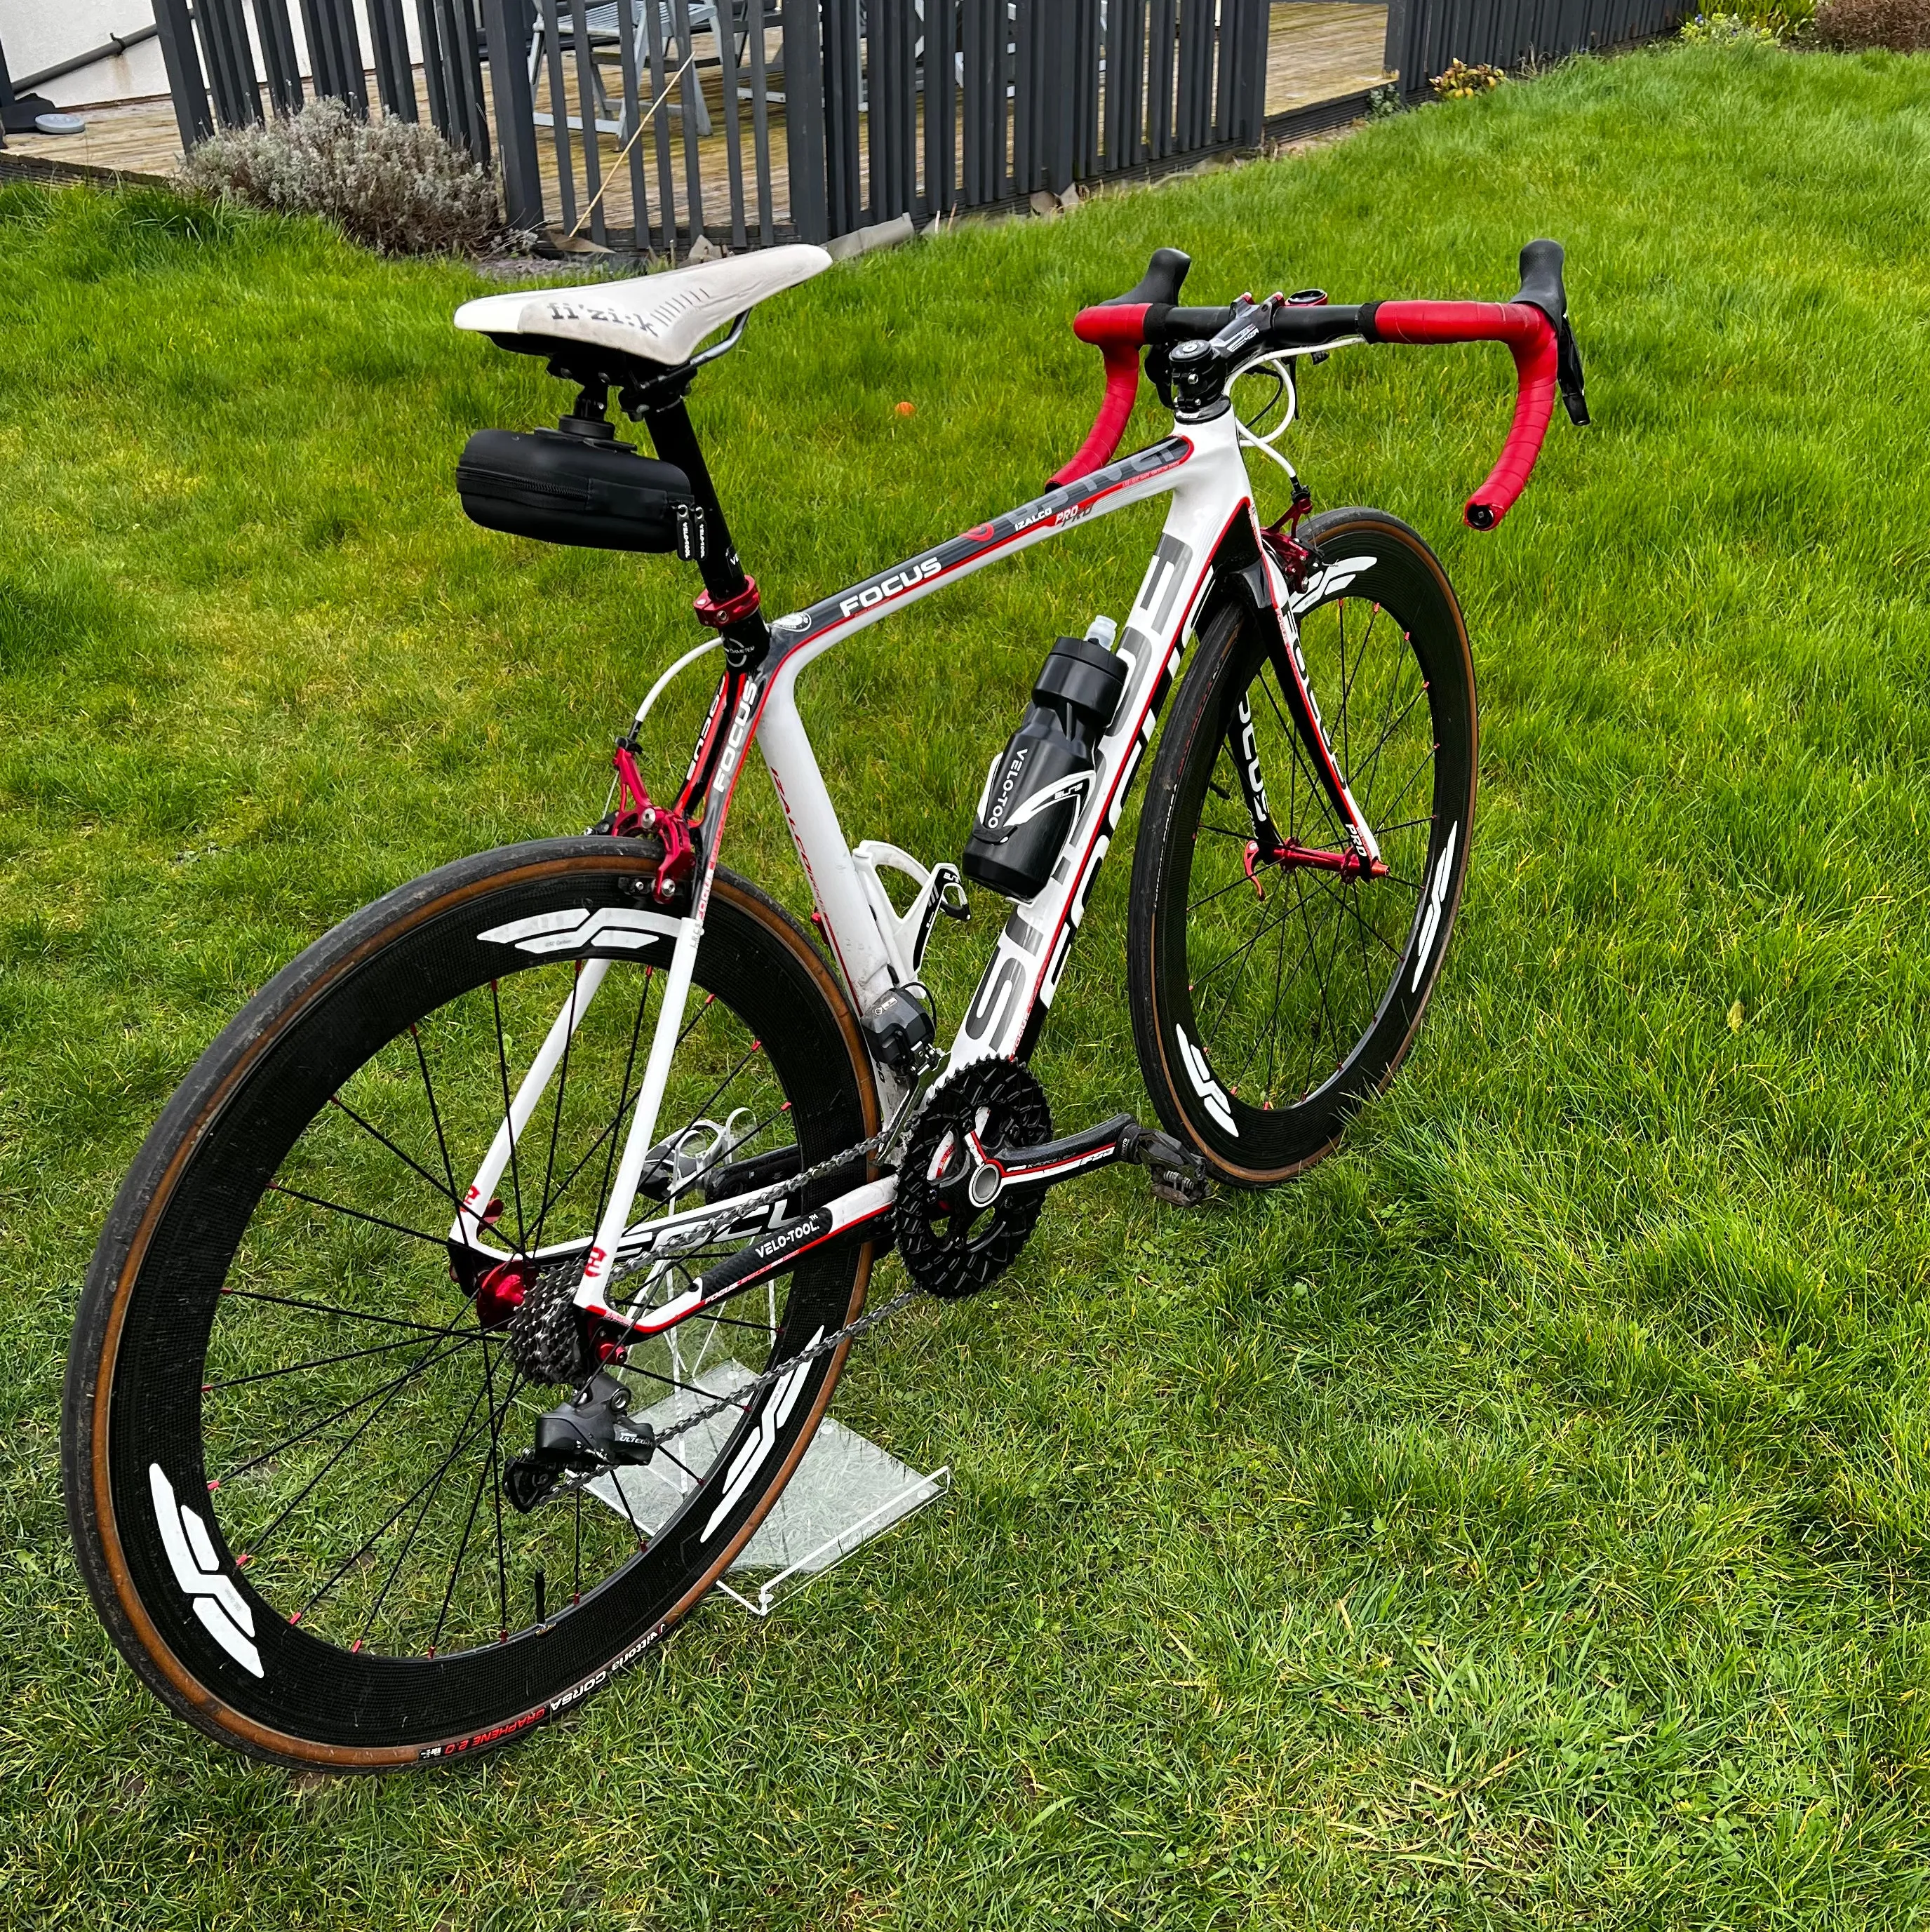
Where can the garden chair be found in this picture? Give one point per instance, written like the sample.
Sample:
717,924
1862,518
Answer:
601,23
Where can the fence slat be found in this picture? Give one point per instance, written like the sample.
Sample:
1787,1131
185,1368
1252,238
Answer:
230,62
804,131
1162,31
1085,103
660,72
281,70
187,81
635,103
335,51
588,86
940,69
733,153
559,112
515,118
843,93
690,101
394,73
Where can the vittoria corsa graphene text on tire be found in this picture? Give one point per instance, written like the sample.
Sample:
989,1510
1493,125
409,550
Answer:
1275,986
287,1417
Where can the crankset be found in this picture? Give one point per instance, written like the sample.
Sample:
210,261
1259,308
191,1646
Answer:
975,1175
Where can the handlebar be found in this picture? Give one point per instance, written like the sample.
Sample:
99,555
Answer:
1534,325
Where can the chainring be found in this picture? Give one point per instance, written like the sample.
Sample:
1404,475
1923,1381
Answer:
955,1251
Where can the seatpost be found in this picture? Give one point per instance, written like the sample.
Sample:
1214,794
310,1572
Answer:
730,601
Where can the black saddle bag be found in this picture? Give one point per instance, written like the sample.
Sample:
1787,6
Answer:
566,489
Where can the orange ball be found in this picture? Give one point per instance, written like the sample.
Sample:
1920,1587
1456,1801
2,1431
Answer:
906,409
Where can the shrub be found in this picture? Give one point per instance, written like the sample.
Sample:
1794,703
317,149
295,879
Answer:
1462,82
1903,26
1730,29
395,186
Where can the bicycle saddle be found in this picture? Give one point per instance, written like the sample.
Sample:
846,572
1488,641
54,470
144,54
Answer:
659,318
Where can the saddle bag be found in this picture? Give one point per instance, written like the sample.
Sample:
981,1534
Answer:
598,492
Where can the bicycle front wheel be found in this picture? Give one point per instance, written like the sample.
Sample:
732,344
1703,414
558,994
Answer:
291,1399
1275,986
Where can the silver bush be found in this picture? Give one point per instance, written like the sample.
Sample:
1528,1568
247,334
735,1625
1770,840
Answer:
395,186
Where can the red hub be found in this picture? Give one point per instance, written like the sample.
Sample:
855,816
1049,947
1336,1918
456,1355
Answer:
500,1294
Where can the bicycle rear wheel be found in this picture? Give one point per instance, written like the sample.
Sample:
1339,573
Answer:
1274,988
290,1401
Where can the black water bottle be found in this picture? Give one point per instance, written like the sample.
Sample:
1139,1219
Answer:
1037,786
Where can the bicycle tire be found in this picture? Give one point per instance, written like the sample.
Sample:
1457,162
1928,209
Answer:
1334,1034
207,1188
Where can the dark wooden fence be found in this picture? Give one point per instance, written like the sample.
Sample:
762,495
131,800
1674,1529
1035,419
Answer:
1423,36
220,72
646,124
651,125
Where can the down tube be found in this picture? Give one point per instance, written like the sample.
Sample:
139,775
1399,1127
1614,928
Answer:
1201,469
1009,1008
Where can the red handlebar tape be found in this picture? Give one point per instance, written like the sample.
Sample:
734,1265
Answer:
1118,332
1531,340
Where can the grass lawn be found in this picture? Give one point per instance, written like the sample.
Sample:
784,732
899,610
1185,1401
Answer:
1525,1520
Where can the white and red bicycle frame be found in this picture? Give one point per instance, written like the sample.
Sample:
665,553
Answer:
1212,535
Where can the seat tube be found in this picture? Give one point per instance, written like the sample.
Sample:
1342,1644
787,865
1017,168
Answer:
848,921
674,437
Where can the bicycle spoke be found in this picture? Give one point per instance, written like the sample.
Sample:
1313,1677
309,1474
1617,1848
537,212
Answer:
629,1066
348,1562
435,1111
556,1112
314,1428
349,1314
329,1361
463,1438
414,1166
426,1362
355,1214
482,1474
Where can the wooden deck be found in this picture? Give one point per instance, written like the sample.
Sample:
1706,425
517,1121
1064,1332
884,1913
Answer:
1319,50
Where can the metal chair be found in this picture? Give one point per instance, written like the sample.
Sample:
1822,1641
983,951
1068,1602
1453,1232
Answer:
604,33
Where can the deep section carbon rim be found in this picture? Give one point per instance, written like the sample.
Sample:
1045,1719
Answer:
1290,973
312,1408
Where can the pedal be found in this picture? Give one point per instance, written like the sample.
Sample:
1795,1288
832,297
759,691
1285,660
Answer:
1176,1174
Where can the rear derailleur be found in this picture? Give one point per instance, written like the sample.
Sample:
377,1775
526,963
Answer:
585,1437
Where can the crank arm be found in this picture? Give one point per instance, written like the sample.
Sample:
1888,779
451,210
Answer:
1177,1175
774,1251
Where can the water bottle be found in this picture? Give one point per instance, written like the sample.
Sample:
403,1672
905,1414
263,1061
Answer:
1036,787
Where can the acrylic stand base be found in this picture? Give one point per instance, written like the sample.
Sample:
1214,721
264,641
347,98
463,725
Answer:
846,1492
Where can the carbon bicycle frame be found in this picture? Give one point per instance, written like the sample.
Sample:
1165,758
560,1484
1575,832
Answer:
1211,533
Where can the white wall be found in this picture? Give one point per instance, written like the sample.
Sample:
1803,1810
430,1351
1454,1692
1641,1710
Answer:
37,33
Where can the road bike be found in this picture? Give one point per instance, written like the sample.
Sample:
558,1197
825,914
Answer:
470,1305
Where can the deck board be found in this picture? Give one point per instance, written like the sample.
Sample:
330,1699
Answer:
1319,50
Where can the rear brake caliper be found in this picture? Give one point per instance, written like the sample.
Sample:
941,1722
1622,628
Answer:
635,814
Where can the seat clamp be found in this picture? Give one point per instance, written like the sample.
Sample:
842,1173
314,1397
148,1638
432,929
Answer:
732,610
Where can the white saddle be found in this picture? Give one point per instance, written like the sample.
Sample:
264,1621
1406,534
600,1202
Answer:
661,318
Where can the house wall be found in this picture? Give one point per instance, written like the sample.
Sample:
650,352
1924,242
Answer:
36,34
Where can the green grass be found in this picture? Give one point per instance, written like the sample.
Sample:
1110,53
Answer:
1525,1520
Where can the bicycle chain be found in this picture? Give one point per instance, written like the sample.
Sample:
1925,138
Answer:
742,1397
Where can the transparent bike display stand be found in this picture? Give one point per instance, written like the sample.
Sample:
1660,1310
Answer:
847,1492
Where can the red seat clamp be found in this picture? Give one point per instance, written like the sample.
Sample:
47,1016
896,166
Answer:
734,609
